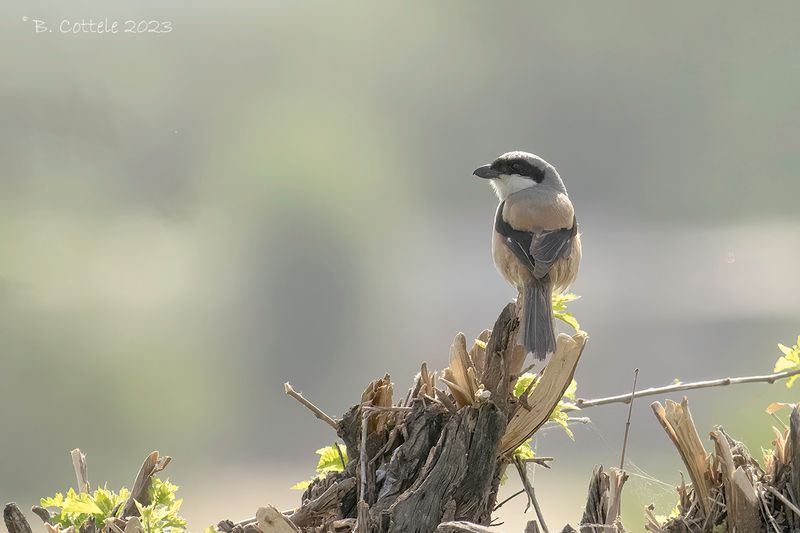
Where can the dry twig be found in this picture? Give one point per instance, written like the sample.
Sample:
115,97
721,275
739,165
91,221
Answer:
523,475
656,391
628,422
313,408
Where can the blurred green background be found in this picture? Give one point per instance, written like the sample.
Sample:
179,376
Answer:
282,191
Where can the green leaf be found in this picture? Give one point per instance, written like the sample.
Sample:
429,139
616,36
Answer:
784,363
560,417
161,516
524,451
330,460
79,504
560,312
568,319
560,301
301,485
162,492
571,391
55,501
559,414
789,361
522,383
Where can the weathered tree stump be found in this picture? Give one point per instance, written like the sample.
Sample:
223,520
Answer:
437,456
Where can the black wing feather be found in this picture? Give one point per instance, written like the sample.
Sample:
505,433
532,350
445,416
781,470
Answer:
536,250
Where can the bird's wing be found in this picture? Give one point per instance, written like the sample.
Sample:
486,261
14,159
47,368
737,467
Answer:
537,250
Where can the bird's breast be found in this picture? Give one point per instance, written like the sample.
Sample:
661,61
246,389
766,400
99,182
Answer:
536,210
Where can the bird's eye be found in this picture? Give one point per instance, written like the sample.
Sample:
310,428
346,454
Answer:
517,167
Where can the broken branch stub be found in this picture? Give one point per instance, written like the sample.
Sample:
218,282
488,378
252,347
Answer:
439,454
15,520
152,464
548,392
676,419
740,495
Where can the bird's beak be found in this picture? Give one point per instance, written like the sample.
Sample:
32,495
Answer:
486,172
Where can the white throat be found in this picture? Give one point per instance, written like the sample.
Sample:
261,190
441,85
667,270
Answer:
508,185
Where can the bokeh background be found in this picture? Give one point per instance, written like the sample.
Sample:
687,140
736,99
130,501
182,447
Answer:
282,191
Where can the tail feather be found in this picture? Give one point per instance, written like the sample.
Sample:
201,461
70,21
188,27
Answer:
538,337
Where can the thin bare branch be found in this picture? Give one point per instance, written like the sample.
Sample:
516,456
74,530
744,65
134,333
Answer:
654,391
502,503
341,456
386,408
464,527
628,422
313,408
529,490
784,499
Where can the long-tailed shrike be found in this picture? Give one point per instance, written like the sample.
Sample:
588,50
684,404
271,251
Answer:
535,241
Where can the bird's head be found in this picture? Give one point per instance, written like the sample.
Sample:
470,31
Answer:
516,171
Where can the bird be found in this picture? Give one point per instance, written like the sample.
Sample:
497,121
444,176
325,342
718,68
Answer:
536,246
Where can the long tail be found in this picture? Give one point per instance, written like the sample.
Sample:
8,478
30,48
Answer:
538,337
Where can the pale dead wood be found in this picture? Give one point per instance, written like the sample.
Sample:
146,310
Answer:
741,495
464,527
54,529
345,525
363,520
115,525
460,394
616,480
660,391
436,456
325,504
547,393
461,377
81,471
741,498
783,499
287,387
679,426
651,521
601,514
445,400
767,513
133,525
477,353
271,520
